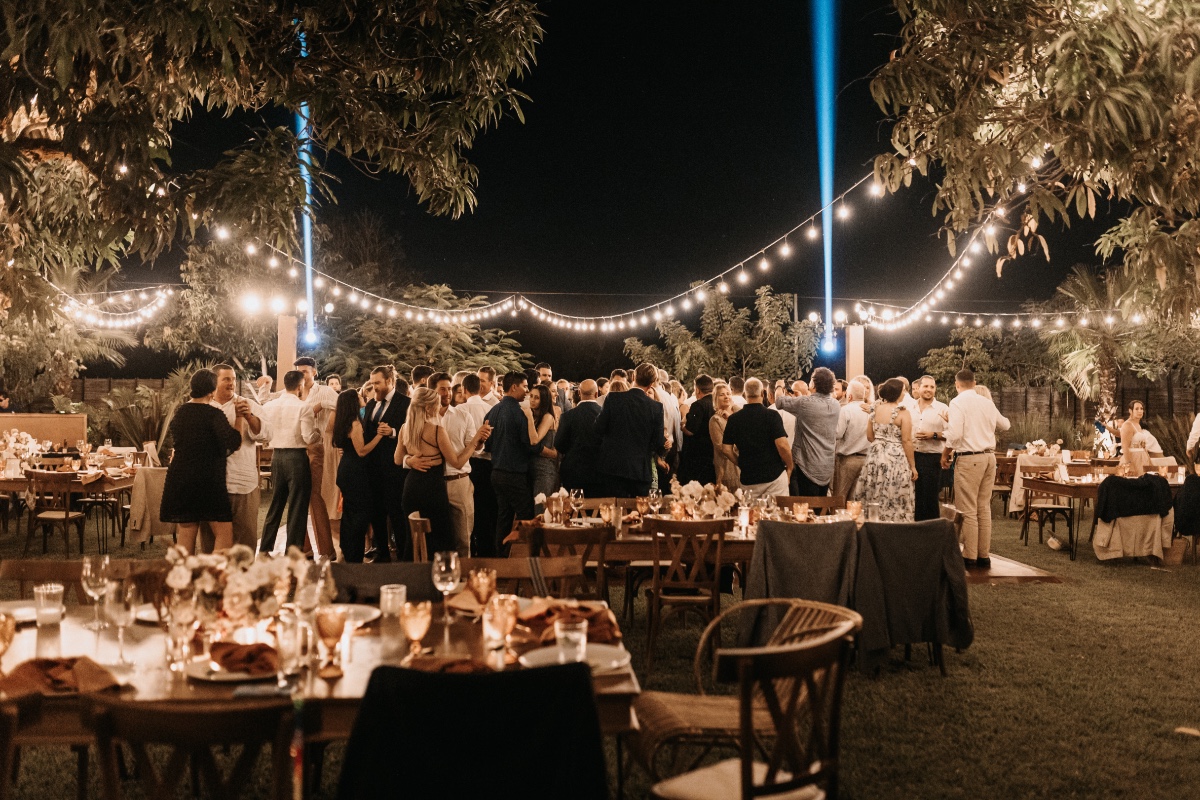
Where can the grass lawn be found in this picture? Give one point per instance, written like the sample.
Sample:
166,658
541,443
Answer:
1070,690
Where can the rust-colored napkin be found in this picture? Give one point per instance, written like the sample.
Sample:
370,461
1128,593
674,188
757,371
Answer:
543,611
466,603
455,666
52,676
254,659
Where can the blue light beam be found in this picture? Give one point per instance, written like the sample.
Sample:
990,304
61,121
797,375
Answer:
304,133
825,54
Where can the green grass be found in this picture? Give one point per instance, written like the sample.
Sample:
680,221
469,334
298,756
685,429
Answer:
1070,690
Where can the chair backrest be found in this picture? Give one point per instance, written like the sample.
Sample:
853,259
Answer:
688,554
549,711
954,515
149,575
418,528
359,583
591,506
32,571
1165,461
1006,470
1079,470
544,577
799,682
1033,494
151,451
50,491
815,504
191,730
587,544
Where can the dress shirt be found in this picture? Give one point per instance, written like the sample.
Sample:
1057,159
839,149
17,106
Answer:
291,422
816,434
241,467
789,424
910,403
476,408
381,408
739,401
852,430
323,400
461,428
1194,436
509,443
930,420
974,421
672,424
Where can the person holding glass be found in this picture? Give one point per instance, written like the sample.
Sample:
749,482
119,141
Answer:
353,474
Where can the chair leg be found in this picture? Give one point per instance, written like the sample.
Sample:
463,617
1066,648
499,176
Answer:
81,771
1025,526
654,613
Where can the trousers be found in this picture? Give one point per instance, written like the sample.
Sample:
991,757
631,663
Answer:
973,480
291,480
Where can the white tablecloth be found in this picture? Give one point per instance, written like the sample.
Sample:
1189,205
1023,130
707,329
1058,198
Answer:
1016,501
144,505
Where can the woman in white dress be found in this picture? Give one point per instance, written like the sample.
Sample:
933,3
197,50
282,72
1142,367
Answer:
889,473
1134,436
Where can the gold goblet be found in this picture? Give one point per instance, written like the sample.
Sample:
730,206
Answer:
643,506
503,610
331,624
482,583
415,618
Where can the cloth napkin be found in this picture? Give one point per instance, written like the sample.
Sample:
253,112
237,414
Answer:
52,676
465,602
254,659
454,666
542,613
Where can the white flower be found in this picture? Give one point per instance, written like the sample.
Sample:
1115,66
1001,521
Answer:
239,555
539,498
191,562
236,604
179,577
206,583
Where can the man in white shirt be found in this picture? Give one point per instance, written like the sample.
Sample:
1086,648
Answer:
241,468
737,388
293,430
907,401
850,445
323,400
461,428
672,426
971,440
928,427
483,498
487,388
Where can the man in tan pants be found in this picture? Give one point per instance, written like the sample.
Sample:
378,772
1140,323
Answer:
461,428
971,441
323,400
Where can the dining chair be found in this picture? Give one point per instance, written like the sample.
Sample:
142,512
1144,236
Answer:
41,722
32,571
49,500
949,512
418,528
686,572
191,730
1006,472
548,743
1042,504
9,716
822,505
706,720
799,683
587,544
359,583
546,577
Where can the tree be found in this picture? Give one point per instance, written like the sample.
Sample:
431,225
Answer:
1044,107
41,354
92,94
732,341
969,348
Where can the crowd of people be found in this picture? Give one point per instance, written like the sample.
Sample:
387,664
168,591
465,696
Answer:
472,452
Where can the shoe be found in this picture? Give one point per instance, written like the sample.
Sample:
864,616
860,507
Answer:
984,562
970,563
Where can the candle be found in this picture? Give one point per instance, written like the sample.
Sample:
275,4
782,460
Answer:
744,519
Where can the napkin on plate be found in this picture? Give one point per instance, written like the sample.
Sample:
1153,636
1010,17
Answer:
455,666
466,603
543,611
254,659
51,676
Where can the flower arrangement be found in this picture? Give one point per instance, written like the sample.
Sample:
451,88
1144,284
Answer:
20,444
234,585
553,504
1038,447
705,501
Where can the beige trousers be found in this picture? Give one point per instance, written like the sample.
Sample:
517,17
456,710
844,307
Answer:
462,513
845,474
316,502
245,523
973,480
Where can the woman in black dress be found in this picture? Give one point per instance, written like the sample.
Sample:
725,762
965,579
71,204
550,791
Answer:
422,436
194,490
353,474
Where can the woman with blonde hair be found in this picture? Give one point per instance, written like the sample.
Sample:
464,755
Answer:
728,474
422,435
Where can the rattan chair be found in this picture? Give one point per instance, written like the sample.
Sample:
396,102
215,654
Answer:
587,544
49,501
418,528
822,505
192,730
701,722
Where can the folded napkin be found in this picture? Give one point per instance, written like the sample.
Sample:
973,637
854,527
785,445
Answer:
51,676
465,602
64,467
542,613
454,666
254,659
90,477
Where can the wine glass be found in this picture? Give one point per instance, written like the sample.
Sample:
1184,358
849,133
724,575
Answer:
606,514
331,624
482,583
120,601
8,631
502,613
95,582
80,444
445,577
415,618
47,446
128,459
654,500
576,502
643,506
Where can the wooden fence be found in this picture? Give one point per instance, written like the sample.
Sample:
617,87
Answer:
90,390
1163,398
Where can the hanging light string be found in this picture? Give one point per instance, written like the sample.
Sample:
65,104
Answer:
94,309
889,317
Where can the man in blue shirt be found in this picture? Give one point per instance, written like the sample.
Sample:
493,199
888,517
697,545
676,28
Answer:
512,451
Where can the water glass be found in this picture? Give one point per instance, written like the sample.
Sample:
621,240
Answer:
392,597
576,502
874,512
95,582
49,600
287,646
571,637
445,577
654,500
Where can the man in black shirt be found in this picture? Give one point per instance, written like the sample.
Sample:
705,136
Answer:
762,451
696,457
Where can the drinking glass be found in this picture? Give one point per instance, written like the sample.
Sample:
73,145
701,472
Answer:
331,624
128,459
120,601
415,619
8,631
643,506
482,583
392,597
80,444
95,581
108,443
606,514
499,620
287,646
576,502
445,577
49,601
571,638
47,446
654,500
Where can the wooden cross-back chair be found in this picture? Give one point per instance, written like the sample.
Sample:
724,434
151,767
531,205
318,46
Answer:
1044,505
419,528
49,502
192,730
586,544
537,577
1006,472
29,572
686,572
798,684
818,505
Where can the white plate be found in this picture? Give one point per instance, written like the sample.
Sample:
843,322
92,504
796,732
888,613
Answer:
358,614
203,671
600,657
146,613
22,611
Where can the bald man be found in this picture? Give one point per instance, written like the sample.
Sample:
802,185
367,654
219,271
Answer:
578,443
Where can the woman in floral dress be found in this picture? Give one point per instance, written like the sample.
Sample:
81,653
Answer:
890,471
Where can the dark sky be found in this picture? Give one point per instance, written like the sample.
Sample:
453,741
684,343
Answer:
666,141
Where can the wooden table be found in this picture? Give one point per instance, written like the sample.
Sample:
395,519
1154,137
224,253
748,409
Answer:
334,704
106,485
1076,492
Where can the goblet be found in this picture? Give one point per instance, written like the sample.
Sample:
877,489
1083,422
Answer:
576,502
606,514
415,618
502,612
120,602
643,506
654,500
95,581
482,583
331,624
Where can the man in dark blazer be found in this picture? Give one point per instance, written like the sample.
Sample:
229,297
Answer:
696,458
385,414
631,433
579,444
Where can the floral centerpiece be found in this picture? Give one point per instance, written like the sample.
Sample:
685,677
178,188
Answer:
554,504
703,501
234,589
1039,447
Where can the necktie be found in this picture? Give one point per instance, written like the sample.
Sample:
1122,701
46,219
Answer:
378,412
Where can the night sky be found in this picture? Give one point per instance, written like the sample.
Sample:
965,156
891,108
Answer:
667,141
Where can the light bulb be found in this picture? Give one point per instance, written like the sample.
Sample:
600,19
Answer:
1021,187
743,277
687,304
1058,323
251,249
960,321
277,305
723,287
701,295
272,262
990,230
945,320
813,316
329,308
293,272
786,250
966,262
812,232
843,211
763,264
839,316
222,233
976,247
319,282
1035,162
876,190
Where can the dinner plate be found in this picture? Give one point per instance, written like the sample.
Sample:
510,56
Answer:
600,657
146,613
357,613
205,671
22,611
